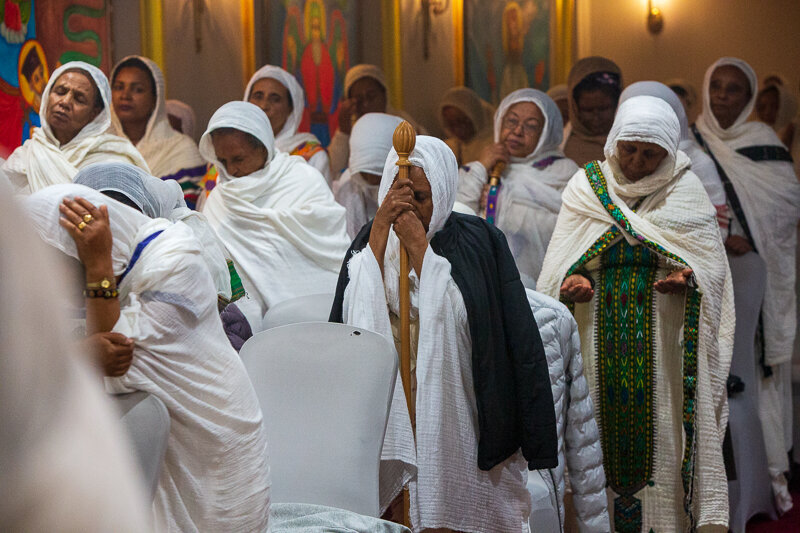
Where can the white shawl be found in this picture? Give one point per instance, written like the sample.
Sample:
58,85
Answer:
770,197
167,152
184,112
288,139
447,488
42,161
702,165
530,193
677,215
215,476
370,143
281,225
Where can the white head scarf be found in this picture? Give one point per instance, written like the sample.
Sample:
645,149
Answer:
185,113
43,161
371,142
707,118
154,197
166,151
242,116
702,165
552,132
295,93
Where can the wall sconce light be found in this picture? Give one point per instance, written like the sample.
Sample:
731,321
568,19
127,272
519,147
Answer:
655,19
430,8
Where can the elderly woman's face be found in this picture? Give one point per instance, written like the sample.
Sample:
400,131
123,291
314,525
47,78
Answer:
458,123
423,197
638,160
273,98
521,128
71,105
237,153
729,92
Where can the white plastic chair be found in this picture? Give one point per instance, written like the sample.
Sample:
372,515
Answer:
751,492
325,390
311,308
146,421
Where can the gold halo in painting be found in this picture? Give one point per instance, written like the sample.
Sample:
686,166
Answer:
33,73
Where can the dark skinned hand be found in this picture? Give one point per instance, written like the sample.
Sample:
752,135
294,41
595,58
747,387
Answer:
493,153
398,200
94,240
411,232
577,289
112,352
737,245
347,110
675,282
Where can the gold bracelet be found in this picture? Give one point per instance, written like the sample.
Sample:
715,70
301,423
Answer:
104,284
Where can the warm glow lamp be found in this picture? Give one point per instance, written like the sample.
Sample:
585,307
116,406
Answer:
655,19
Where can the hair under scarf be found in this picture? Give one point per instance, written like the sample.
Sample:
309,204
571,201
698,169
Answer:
242,116
154,197
296,94
552,130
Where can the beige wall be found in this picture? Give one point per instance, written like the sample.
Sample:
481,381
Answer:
696,33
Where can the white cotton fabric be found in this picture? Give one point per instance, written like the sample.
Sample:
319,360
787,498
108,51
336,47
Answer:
580,453
157,198
65,461
215,476
281,226
166,151
530,196
770,196
339,149
447,488
288,139
43,161
370,144
702,165
677,215
184,112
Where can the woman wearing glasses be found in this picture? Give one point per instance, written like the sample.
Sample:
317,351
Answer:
528,130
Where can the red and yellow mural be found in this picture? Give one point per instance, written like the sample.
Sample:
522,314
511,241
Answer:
36,37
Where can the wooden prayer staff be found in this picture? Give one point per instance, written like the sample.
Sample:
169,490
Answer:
404,140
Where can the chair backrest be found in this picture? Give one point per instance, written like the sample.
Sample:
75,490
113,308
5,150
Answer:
325,390
311,308
146,421
749,274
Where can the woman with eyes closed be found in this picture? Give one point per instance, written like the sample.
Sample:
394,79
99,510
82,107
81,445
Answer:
274,213
527,133
140,114
638,256
76,115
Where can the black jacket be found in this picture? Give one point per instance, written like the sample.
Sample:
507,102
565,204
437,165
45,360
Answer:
509,368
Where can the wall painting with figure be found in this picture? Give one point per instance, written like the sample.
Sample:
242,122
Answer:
506,46
315,41
36,37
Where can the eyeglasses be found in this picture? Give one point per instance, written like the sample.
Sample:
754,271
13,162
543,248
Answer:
529,128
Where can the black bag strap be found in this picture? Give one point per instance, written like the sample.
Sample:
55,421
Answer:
767,152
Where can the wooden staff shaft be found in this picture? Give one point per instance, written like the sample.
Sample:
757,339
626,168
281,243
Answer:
404,140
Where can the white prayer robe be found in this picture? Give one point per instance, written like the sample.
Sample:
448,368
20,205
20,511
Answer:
530,195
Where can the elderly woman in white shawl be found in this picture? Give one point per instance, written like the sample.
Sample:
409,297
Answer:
140,114
764,198
146,279
702,165
365,91
484,409
638,254
76,115
357,189
281,97
527,134
273,212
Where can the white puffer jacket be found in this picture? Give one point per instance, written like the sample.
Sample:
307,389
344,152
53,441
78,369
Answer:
578,436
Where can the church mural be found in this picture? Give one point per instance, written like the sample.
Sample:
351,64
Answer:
506,46
36,37
315,41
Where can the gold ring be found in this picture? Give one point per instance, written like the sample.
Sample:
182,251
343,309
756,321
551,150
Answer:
81,225
87,218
